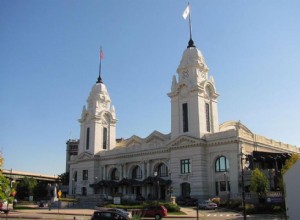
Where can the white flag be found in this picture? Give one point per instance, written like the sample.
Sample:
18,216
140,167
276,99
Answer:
186,12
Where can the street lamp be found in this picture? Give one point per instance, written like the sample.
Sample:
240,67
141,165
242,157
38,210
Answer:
73,187
157,181
95,185
243,157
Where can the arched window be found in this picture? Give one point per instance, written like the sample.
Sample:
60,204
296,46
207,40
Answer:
162,170
115,174
222,164
136,173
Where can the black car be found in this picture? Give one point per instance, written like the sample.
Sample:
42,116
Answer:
109,215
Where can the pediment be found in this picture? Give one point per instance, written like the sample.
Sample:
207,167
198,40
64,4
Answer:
134,141
184,141
156,137
85,156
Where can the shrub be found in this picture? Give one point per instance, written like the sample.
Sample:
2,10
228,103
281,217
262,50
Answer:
250,208
171,207
234,203
216,200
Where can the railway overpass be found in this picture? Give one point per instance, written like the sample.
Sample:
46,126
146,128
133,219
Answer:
14,175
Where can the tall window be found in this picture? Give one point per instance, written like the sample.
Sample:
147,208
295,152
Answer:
104,138
85,175
185,189
222,164
87,146
185,119
207,111
185,166
75,176
162,170
136,173
115,174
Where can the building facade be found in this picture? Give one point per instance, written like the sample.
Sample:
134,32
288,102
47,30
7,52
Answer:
199,158
71,150
291,191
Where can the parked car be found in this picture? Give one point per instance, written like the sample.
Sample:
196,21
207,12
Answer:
122,211
155,211
110,215
4,207
207,204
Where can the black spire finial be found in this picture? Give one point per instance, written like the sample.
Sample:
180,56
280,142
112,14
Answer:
99,79
191,43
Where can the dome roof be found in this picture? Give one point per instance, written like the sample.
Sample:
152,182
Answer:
97,90
192,57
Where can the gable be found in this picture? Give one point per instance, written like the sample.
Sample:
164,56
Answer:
184,141
85,156
134,141
156,138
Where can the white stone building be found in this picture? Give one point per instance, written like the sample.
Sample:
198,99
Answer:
292,193
199,158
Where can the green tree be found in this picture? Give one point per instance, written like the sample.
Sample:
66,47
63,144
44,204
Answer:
5,189
64,178
41,190
259,183
26,187
288,164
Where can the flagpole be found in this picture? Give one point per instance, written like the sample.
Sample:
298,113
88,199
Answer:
191,42
190,22
99,77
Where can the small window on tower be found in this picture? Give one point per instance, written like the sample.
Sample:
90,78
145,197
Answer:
207,110
104,138
87,139
185,118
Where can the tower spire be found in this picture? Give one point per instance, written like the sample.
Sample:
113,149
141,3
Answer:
101,58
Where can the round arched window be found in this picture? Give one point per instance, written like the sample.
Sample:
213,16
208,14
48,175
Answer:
222,164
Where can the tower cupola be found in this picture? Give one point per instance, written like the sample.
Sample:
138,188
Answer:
193,97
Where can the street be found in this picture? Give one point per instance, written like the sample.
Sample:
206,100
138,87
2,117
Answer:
86,215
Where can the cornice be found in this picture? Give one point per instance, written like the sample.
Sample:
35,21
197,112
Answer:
134,154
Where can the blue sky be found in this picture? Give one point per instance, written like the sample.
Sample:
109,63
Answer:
49,59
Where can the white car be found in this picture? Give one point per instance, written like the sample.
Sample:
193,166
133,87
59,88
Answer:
207,205
4,207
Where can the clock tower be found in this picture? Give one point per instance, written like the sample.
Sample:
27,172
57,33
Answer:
98,121
194,109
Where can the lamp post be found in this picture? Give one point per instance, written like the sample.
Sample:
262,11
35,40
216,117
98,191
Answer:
157,181
243,188
74,187
243,157
95,186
